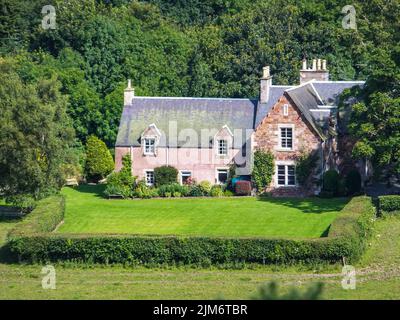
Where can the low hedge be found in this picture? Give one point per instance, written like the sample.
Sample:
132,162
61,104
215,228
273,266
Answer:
44,218
389,203
342,241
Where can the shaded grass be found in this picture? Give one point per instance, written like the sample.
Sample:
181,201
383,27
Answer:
87,212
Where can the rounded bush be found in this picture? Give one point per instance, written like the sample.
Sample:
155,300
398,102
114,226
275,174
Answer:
165,175
331,181
205,187
216,191
353,182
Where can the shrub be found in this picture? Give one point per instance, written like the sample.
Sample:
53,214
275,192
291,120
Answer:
99,162
331,181
389,203
25,203
195,191
48,213
143,191
165,175
228,193
353,182
263,169
170,189
243,188
216,191
176,194
205,187
121,183
306,166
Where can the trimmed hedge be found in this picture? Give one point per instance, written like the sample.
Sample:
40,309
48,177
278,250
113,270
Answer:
44,218
389,203
343,241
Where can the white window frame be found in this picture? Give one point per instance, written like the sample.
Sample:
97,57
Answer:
223,148
286,110
145,177
216,174
151,152
286,164
285,126
181,176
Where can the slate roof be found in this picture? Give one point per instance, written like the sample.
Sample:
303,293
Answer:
214,113
189,113
329,91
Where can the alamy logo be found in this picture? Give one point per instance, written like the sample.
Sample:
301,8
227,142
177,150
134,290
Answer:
349,20
49,280
49,20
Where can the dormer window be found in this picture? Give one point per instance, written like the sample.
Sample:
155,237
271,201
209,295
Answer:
222,147
149,146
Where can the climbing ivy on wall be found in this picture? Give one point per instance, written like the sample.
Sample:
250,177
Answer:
263,169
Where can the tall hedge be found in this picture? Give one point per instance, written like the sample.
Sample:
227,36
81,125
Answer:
99,161
346,238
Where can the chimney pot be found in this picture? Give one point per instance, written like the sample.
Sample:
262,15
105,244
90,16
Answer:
266,72
323,64
129,84
304,64
314,64
319,64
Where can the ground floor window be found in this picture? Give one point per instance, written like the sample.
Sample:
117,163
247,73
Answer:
185,176
149,177
286,175
222,175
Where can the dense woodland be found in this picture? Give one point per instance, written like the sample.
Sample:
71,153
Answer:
59,86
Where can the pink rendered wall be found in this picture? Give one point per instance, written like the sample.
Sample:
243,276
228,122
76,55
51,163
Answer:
201,162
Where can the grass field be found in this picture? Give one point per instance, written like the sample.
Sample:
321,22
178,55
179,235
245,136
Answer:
378,277
88,212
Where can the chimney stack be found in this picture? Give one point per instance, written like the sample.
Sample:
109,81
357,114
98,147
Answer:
318,71
129,93
265,85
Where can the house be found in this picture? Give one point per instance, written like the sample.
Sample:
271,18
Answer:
204,137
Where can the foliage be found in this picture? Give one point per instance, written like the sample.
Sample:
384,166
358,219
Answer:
165,175
306,168
35,133
353,182
44,218
99,162
216,191
330,182
263,169
269,291
195,191
205,187
243,188
389,203
228,193
25,203
122,182
143,191
347,238
168,190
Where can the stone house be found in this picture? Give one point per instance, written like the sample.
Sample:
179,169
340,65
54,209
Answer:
204,137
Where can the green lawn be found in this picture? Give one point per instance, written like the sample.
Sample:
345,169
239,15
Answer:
378,276
88,212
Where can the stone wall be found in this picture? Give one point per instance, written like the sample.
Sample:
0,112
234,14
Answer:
305,139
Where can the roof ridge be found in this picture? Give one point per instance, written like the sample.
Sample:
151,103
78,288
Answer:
194,98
